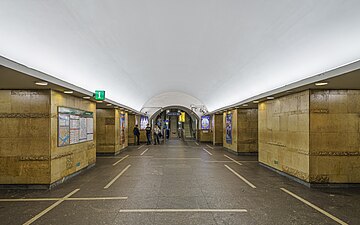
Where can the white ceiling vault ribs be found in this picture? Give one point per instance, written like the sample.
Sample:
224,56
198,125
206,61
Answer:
171,98
219,52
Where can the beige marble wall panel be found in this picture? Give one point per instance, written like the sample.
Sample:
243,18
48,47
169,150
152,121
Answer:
283,126
247,130
105,130
335,136
25,136
143,136
217,129
72,158
131,126
205,135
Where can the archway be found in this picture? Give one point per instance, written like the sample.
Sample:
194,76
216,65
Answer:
168,119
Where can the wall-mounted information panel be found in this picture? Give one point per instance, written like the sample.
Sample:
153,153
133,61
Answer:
74,126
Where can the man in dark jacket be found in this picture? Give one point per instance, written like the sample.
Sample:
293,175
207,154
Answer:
148,134
136,135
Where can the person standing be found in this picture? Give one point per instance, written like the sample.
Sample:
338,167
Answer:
136,135
156,134
148,134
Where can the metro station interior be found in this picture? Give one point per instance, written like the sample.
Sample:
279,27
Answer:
256,105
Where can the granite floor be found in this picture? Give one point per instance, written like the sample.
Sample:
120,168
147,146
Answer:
180,183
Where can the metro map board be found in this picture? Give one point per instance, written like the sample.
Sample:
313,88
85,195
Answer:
74,126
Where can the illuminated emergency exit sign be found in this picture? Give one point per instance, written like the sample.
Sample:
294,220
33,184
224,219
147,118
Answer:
99,95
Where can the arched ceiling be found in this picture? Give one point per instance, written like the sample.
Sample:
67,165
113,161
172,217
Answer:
220,52
193,115
171,99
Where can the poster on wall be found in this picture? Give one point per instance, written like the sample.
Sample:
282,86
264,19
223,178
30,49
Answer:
205,122
74,126
122,128
144,120
229,128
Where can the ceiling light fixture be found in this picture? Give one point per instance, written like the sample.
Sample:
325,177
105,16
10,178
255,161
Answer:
255,102
321,83
245,105
41,83
109,104
99,101
68,92
86,97
270,98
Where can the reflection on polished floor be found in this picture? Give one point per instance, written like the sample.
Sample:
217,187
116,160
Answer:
180,183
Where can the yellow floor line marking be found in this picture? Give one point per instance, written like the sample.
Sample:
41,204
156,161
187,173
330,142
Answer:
107,157
117,177
210,147
29,199
314,207
141,156
241,177
95,199
120,160
233,160
175,146
144,151
180,210
140,146
207,151
196,143
50,208
214,161
56,199
177,158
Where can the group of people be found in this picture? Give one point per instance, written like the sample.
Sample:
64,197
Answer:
156,131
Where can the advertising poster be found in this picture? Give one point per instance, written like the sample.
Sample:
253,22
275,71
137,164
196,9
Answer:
205,122
144,120
182,117
229,128
122,128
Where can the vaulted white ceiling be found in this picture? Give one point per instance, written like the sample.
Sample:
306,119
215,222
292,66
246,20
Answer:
218,51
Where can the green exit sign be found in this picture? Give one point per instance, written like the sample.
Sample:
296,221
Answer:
99,95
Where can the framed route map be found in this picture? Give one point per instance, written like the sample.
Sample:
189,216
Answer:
74,126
